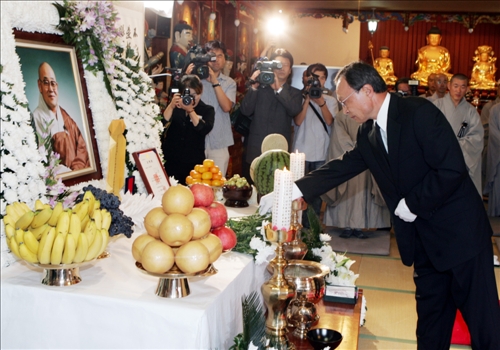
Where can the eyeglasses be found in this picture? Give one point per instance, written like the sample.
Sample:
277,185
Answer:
345,99
52,83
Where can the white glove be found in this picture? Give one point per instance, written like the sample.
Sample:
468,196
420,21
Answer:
266,203
404,212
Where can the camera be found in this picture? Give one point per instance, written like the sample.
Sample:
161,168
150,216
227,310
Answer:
199,57
315,90
266,76
187,98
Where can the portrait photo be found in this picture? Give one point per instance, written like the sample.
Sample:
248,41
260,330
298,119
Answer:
56,104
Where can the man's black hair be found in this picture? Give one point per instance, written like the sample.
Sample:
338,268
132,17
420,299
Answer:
358,74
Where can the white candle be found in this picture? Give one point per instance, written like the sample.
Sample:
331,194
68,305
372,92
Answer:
282,205
297,164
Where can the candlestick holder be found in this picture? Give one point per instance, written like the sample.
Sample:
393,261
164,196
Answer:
277,292
296,249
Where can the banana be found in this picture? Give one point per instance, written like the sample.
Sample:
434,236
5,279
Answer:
9,220
81,249
90,232
11,211
25,221
69,248
62,226
31,242
89,196
10,231
27,254
58,209
94,247
97,217
45,247
24,207
75,226
82,210
21,208
106,219
39,205
14,247
85,221
41,217
105,240
37,232
19,236
97,204
57,249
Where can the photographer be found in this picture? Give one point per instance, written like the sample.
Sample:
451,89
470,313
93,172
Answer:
402,87
312,125
219,91
188,121
272,107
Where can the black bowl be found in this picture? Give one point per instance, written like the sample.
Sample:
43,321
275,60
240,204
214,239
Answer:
320,338
236,197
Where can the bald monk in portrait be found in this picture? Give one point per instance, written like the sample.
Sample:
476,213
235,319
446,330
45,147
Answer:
51,119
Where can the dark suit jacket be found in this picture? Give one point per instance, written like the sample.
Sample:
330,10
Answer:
425,166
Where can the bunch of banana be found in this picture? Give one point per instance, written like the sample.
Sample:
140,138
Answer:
57,236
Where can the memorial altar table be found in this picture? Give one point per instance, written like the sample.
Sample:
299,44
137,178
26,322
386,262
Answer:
115,306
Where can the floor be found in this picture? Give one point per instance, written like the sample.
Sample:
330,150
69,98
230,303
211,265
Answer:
389,290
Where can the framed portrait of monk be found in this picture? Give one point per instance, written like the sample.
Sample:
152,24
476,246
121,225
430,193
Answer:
58,107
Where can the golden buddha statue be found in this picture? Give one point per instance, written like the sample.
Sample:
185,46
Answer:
483,72
384,66
432,58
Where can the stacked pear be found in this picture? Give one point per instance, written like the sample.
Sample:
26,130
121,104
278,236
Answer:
56,235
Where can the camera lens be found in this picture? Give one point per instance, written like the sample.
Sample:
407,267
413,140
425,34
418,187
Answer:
266,78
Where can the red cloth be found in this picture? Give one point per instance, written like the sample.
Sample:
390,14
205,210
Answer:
460,333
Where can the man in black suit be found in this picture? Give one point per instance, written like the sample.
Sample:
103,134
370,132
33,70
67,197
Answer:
439,219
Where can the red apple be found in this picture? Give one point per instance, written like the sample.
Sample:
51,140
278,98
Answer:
218,214
226,236
203,195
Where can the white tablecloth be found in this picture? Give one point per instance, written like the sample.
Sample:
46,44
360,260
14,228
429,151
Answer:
115,306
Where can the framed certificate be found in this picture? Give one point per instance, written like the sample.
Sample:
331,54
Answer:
152,171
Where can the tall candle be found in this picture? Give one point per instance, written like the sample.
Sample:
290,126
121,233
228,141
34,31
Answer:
282,205
297,164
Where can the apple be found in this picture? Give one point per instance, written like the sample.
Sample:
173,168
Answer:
226,236
218,214
203,195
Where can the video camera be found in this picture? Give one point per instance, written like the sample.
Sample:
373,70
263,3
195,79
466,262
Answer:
199,57
266,76
315,90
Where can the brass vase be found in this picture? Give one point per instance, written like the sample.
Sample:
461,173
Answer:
277,292
295,249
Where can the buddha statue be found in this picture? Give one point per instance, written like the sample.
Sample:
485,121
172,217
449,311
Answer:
384,66
432,58
483,72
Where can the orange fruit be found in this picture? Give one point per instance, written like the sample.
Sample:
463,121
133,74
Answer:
217,176
217,183
208,163
223,179
215,169
197,167
206,175
196,181
208,182
189,180
195,175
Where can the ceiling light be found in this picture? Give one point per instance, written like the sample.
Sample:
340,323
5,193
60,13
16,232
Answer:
372,23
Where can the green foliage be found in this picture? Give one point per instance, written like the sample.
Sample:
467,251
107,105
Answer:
245,228
310,236
254,323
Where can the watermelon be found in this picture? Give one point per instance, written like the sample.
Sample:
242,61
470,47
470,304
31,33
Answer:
265,165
